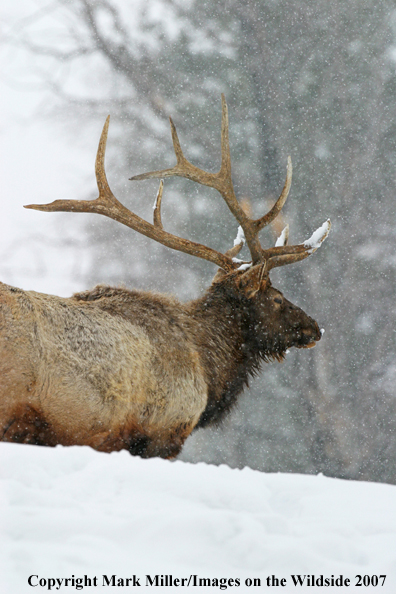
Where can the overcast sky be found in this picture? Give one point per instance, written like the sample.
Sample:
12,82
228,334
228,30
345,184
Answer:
39,163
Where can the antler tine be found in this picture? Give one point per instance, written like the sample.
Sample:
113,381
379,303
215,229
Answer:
275,210
282,255
225,141
103,185
283,238
184,168
181,159
106,197
176,144
239,242
157,206
176,170
107,204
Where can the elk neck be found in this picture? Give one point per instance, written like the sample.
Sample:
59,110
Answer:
225,327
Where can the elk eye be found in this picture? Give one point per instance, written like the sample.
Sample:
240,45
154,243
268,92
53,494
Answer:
278,300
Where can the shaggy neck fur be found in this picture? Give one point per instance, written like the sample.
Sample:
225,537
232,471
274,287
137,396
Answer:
231,347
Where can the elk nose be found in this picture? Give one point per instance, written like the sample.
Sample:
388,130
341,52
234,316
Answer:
318,334
313,332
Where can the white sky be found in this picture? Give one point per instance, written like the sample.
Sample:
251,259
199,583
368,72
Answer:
39,163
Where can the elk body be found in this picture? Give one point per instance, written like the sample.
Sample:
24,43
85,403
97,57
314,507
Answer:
119,369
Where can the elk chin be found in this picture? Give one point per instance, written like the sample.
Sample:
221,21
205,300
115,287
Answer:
307,346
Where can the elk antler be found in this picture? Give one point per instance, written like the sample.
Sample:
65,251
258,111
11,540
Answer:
107,204
222,182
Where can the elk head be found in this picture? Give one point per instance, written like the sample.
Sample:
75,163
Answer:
277,324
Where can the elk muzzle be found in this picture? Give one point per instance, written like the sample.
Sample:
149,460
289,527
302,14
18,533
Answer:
309,336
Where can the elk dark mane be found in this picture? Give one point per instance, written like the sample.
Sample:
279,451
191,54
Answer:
238,349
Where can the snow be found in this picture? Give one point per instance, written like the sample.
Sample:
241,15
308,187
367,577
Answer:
243,265
318,236
240,238
283,237
76,512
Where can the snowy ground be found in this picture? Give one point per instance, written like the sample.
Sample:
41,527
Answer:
75,512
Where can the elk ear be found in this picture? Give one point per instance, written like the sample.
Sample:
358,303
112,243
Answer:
254,279
220,274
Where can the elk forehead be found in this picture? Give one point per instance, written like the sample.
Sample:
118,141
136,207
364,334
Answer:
274,294
272,297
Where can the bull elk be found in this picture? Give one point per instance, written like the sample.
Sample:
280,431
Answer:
120,369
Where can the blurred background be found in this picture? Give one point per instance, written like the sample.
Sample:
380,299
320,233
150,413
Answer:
316,80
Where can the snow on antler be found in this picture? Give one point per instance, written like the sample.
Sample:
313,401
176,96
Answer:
318,237
283,237
240,238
